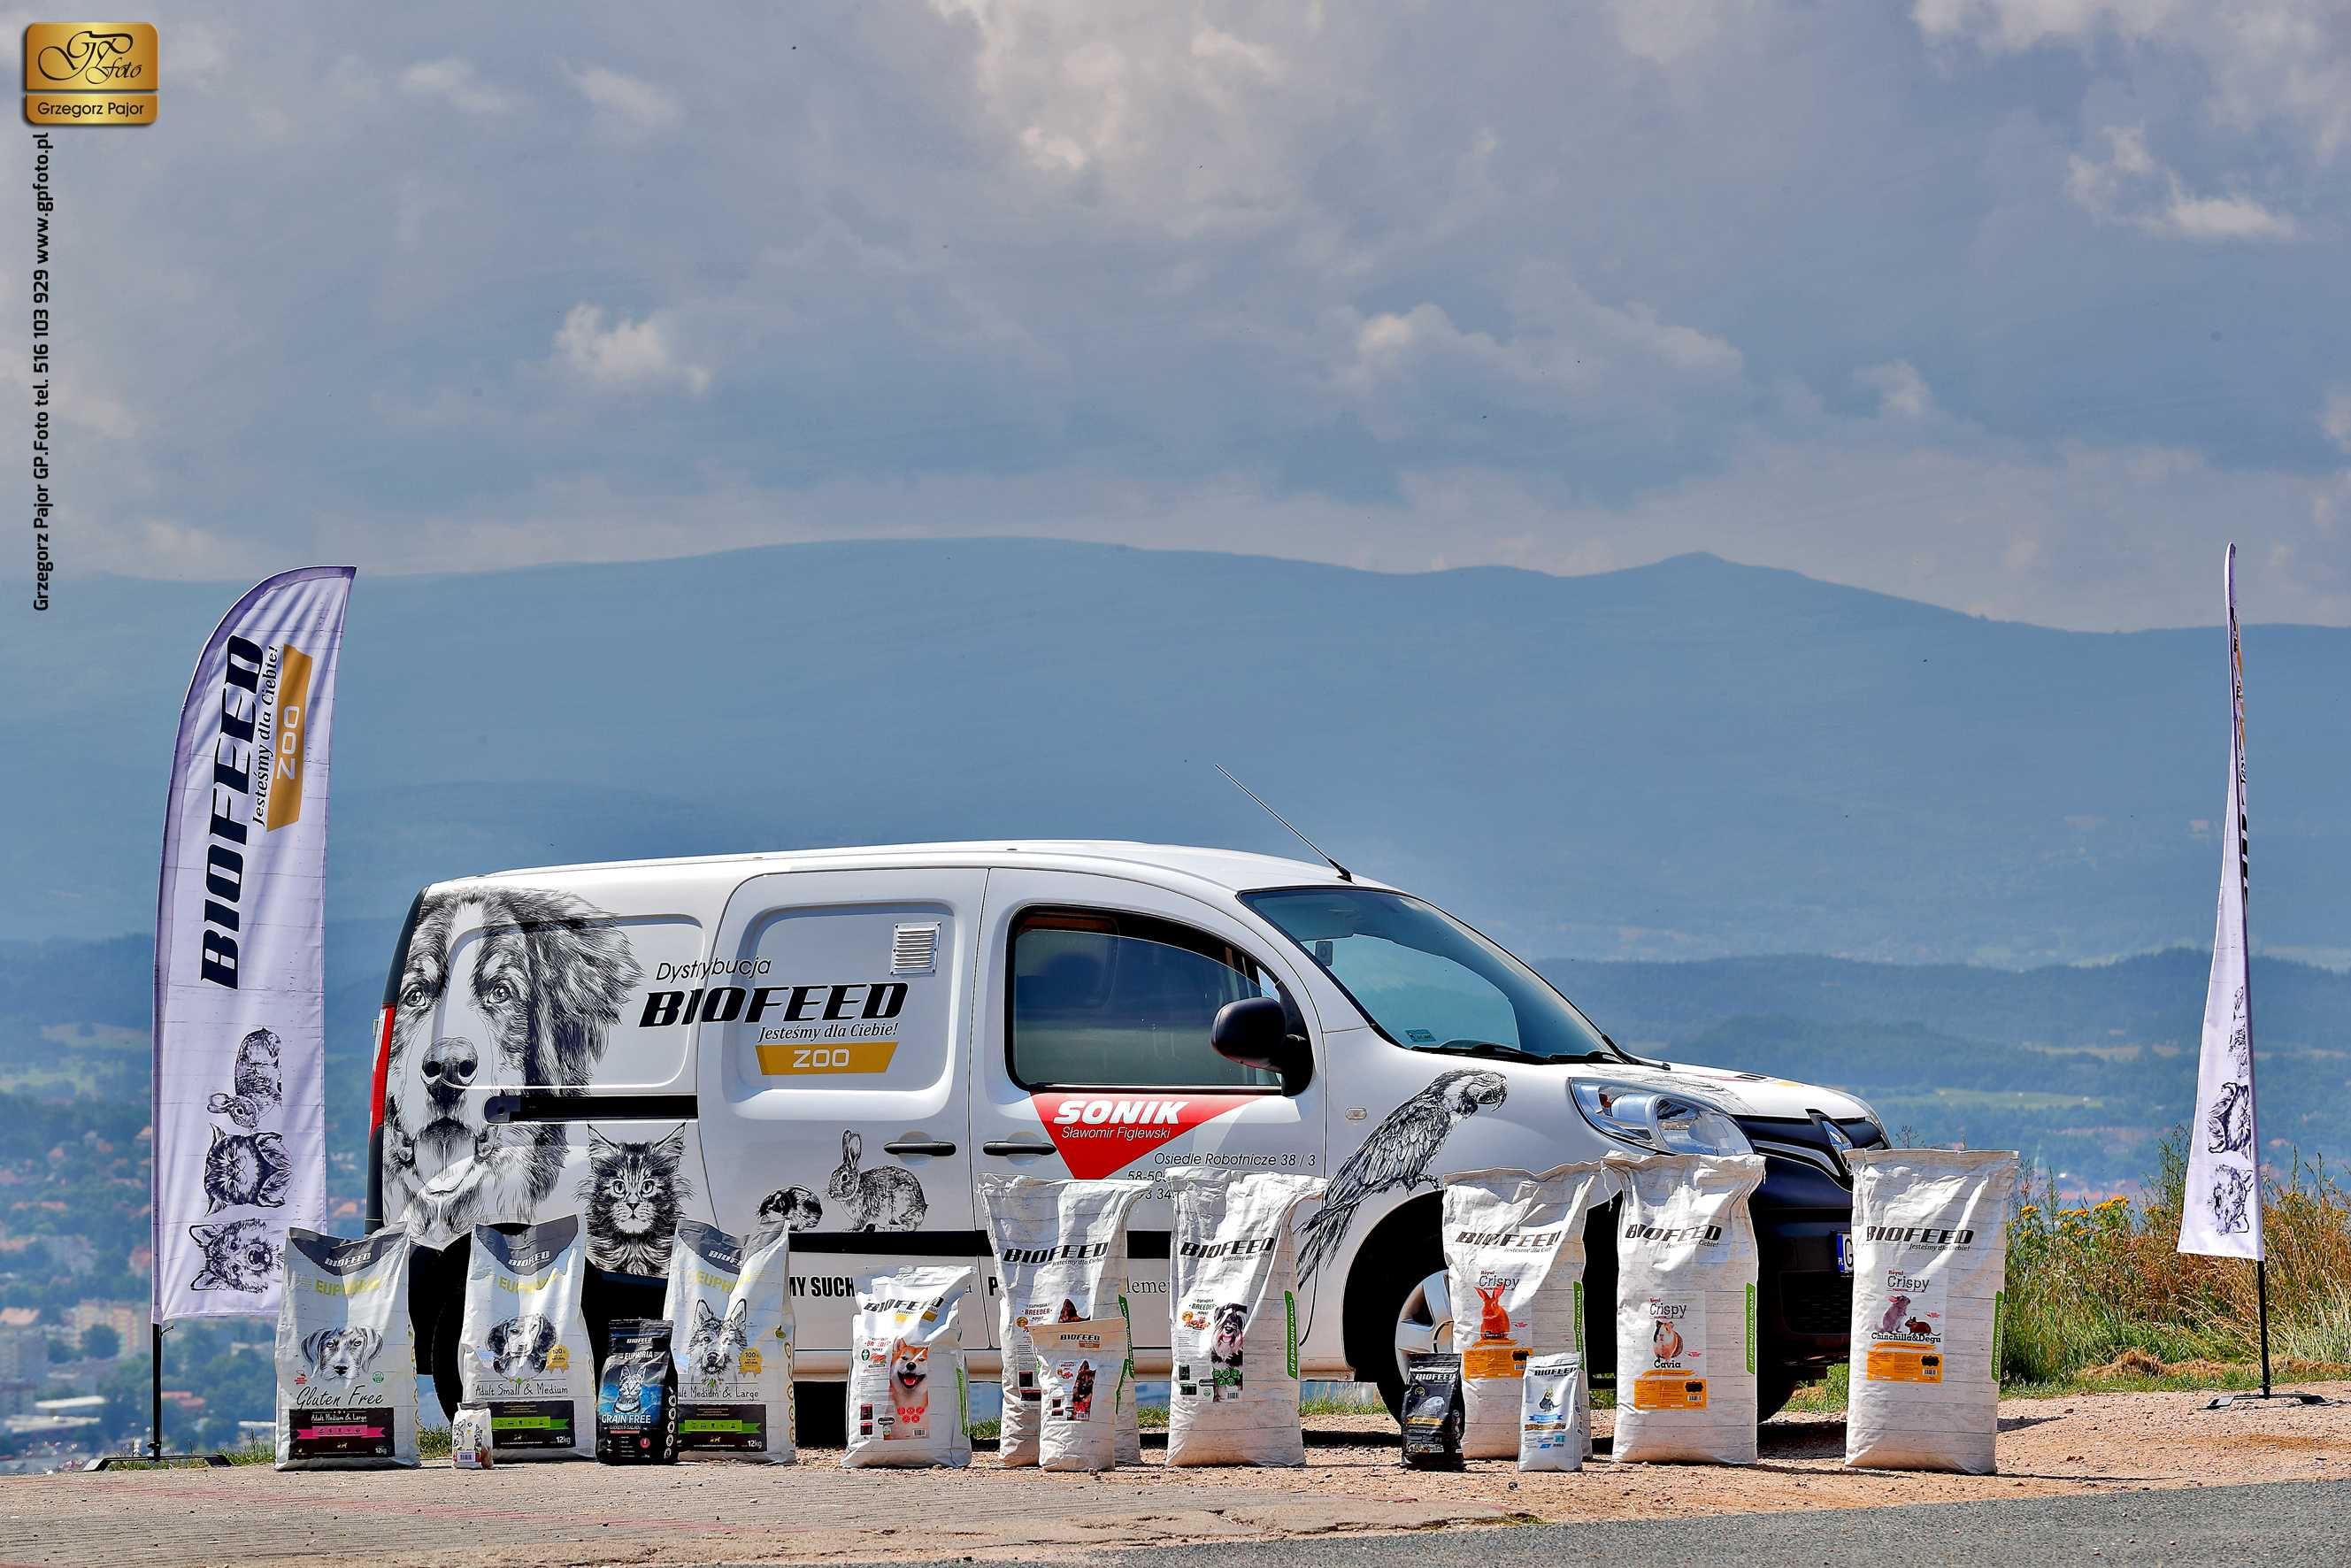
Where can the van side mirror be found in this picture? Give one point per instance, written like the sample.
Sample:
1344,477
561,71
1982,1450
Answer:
1255,1032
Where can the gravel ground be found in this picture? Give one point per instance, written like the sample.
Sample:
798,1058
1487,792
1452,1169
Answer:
580,1513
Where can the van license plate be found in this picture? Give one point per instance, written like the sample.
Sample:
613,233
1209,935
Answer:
1844,1252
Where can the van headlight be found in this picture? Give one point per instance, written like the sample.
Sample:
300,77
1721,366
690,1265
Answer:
1663,1121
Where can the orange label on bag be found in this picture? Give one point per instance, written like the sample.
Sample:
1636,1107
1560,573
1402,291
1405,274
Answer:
1668,1391
1903,1364
1494,1361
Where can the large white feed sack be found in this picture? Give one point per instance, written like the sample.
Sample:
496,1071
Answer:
1061,1256
522,1346
731,1333
1514,1269
909,1402
346,1353
1555,1416
1233,1288
1930,1259
1686,1269
1080,1368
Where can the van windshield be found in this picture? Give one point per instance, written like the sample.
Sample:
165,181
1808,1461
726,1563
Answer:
1427,981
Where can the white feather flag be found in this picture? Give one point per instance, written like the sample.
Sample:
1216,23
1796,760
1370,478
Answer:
2222,1215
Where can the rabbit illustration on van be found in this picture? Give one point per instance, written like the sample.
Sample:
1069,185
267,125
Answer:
887,1198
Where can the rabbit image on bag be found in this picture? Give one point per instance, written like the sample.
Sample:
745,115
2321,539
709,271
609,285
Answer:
887,1198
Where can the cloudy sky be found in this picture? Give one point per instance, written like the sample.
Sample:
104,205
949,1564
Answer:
2017,306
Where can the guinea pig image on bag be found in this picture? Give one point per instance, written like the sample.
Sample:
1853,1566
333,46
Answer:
1060,1254
1514,1259
1080,1367
1930,1259
522,1345
346,1353
1233,1289
909,1401
1686,1274
730,1331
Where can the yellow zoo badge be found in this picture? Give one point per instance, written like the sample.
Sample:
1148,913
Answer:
794,1058
90,73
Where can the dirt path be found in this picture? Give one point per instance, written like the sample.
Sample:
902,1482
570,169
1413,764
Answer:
579,1513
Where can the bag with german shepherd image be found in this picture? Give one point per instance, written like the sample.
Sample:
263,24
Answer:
730,1331
1930,1259
1514,1268
1061,1256
522,1344
909,1401
1686,1270
1233,1287
1082,1370
346,1353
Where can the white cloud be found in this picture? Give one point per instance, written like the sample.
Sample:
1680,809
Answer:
622,355
1902,391
2266,62
2335,417
2130,185
629,105
456,83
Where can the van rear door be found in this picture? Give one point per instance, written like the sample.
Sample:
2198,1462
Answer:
833,1031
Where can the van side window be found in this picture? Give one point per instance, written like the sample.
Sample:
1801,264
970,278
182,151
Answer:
1107,999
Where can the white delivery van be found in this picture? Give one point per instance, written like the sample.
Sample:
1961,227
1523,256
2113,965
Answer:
838,1042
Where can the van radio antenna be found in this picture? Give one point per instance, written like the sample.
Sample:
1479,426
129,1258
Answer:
1344,875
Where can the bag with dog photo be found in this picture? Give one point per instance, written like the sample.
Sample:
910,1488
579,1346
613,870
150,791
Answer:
1234,1289
730,1318
909,1403
1930,1258
522,1345
636,1399
1514,1269
1686,1270
346,1353
1082,1370
1061,1256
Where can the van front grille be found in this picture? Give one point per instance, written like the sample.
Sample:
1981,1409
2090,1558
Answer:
1816,1304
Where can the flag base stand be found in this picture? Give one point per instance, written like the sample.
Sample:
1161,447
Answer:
2256,1397
109,1461
155,1455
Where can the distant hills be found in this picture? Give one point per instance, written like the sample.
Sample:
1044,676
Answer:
1689,759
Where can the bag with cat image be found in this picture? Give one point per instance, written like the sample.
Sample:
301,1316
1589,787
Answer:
1514,1268
522,1344
1930,1262
1233,1286
730,1317
1082,1370
909,1401
1061,1256
346,1353
1686,1270
636,1398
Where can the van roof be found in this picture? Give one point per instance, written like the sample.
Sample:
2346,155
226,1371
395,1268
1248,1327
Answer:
1233,869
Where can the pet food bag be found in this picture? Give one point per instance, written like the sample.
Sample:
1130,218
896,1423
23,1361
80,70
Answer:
346,1353
1930,1257
730,1331
1685,1266
1234,1290
1082,1370
1431,1413
1061,1256
1556,1413
469,1438
522,1345
1514,1268
636,1398
909,1405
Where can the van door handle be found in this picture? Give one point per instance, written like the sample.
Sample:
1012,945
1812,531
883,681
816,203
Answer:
918,1146
1014,1146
